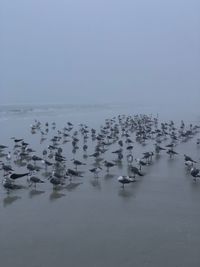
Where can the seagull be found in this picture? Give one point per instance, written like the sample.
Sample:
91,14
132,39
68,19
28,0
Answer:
195,173
3,147
8,156
171,152
55,181
96,171
140,163
77,163
108,165
71,173
35,180
16,140
14,176
170,145
136,171
158,148
187,158
36,158
6,168
7,184
125,180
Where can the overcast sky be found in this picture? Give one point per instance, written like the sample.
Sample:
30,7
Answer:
96,51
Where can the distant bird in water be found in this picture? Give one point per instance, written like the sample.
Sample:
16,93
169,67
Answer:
96,171
14,176
158,148
35,180
8,156
108,165
8,185
56,182
77,163
125,180
195,173
187,158
140,163
171,152
135,171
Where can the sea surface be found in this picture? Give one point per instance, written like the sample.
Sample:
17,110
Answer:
94,222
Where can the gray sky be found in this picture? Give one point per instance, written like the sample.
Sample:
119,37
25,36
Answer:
84,51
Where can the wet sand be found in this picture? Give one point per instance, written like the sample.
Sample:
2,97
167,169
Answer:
94,222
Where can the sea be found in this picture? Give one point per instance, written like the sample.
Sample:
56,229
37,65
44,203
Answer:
94,222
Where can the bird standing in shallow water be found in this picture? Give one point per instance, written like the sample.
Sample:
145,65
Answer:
125,180
195,173
35,180
108,165
96,171
135,171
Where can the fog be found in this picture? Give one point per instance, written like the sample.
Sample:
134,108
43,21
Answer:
99,51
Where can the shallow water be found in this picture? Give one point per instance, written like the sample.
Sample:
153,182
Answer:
94,222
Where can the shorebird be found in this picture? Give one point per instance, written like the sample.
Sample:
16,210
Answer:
171,152
14,176
55,182
7,184
17,140
35,180
135,171
108,165
140,163
187,158
36,158
72,173
96,171
148,156
3,147
6,168
195,173
158,148
125,180
77,163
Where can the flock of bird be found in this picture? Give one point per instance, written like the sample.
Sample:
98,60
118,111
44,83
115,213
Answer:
117,136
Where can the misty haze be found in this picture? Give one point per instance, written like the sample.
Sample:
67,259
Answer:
100,133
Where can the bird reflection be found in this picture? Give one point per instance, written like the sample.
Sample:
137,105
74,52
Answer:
109,176
72,186
35,192
119,163
55,195
8,200
125,193
96,183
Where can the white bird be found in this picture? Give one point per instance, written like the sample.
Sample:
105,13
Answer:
8,156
